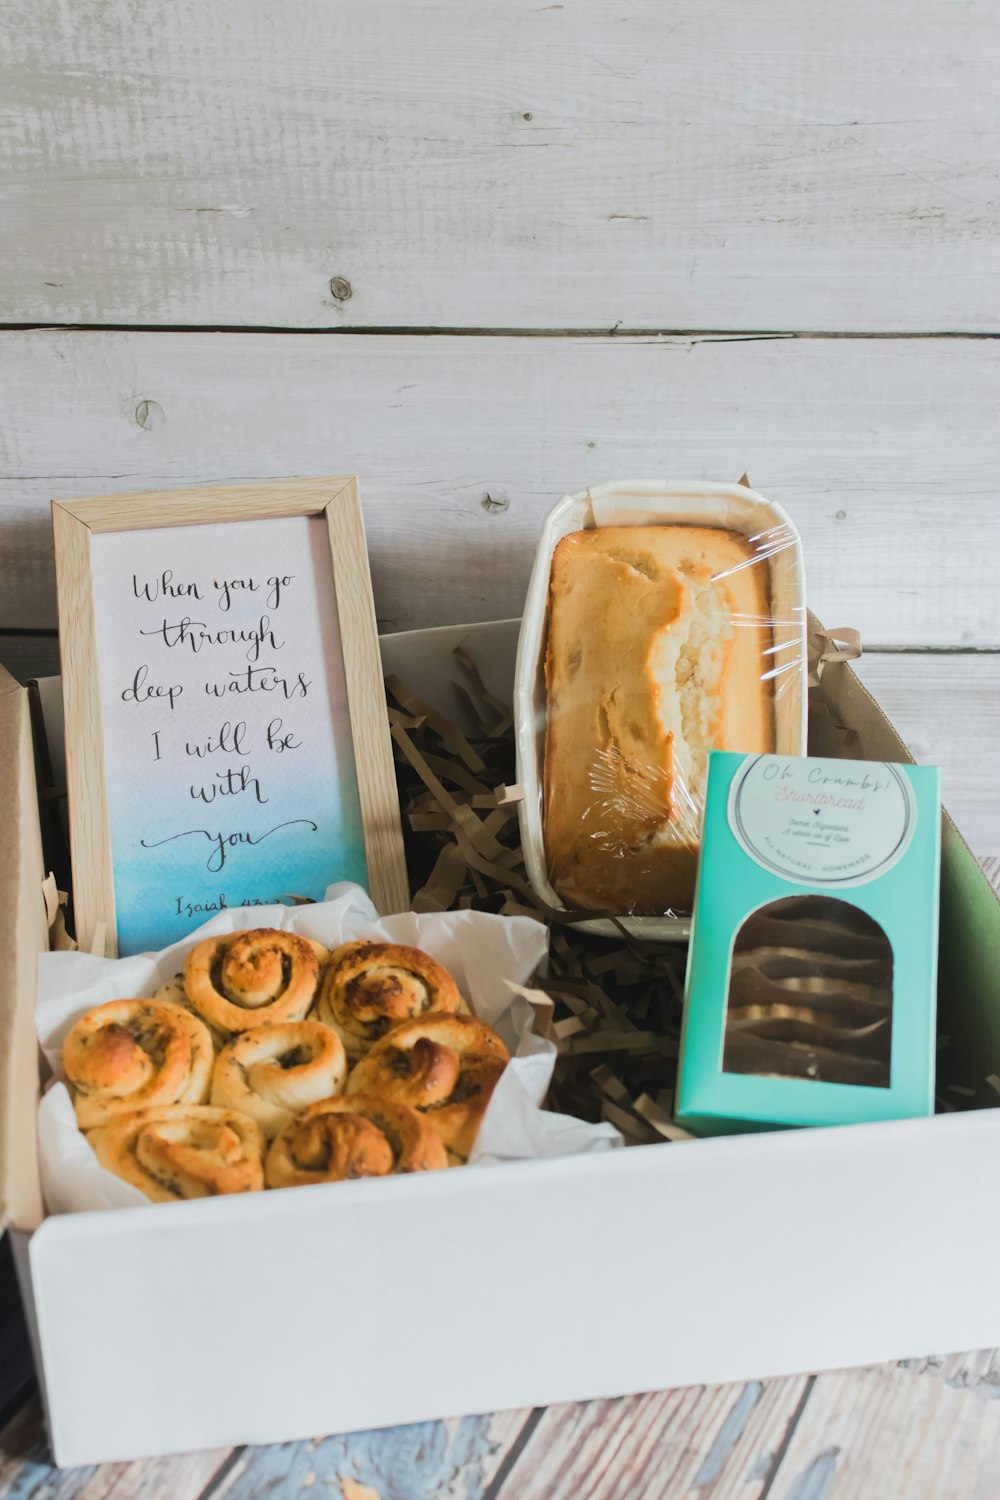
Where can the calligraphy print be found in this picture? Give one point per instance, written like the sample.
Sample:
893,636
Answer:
228,754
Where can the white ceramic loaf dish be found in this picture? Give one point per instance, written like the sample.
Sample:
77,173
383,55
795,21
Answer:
650,502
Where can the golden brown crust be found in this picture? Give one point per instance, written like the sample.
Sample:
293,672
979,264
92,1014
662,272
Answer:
658,640
183,1151
445,1066
338,1140
132,1054
173,992
272,1072
368,988
244,979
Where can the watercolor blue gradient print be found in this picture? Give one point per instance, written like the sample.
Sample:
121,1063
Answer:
230,764
162,893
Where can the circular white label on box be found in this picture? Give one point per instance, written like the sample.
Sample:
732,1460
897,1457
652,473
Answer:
822,822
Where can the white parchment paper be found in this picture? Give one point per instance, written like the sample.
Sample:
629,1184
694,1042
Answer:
480,950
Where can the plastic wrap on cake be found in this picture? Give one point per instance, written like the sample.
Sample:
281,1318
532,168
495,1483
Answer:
663,620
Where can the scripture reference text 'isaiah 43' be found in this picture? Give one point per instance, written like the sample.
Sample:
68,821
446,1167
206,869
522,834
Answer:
230,768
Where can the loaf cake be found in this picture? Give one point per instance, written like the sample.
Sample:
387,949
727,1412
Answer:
658,651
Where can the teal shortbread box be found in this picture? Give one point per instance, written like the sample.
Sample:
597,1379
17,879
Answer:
812,971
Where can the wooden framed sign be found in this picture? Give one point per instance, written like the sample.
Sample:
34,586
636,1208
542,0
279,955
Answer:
227,742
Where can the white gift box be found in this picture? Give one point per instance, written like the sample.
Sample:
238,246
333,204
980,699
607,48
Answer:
278,1316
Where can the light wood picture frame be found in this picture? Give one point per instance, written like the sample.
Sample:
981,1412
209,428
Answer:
77,526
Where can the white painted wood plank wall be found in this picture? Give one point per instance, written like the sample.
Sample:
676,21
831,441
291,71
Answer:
759,164
885,452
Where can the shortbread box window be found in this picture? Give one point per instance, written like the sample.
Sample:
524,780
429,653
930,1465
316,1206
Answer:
810,994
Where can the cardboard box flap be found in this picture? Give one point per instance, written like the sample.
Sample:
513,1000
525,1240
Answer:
23,934
968,983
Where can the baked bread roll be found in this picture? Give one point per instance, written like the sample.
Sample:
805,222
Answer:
444,1066
368,988
130,1054
173,992
183,1151
272,1072
243,979
340,1139
658,651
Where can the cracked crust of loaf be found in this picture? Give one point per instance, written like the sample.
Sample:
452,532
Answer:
658,639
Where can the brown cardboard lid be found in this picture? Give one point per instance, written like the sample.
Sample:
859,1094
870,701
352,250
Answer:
23,933
845,720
